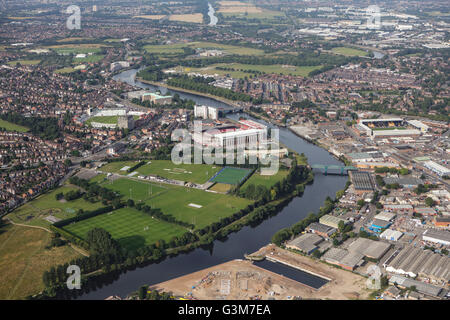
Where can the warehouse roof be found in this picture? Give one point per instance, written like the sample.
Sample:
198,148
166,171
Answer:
437,234
369,248
422,287
306,242
390,234
319,227
386,216
330,220
343,257
362,180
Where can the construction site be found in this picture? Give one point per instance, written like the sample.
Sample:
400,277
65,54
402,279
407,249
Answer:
245,280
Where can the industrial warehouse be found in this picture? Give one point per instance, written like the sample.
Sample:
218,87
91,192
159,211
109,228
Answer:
423,264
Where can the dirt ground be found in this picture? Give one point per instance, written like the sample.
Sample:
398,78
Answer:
242,280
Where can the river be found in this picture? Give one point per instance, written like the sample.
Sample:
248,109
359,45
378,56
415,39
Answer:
212,17
249,239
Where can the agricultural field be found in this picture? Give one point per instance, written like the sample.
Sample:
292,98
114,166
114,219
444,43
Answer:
24,62
241,70
131,228
196,206
196,173
12,126
134,189
266,181
23,260
191,18
178,48
350,51
246,10
230,175
34,212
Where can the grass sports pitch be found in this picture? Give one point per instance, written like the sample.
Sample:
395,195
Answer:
132,228
229,175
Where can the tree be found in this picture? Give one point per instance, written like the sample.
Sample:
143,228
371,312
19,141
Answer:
101,242
429,202
143,292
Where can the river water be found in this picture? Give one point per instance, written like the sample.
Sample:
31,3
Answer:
250,238
212,17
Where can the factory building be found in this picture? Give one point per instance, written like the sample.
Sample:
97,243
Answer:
369,248
321,229
415,262
391,235
362,181
425,288
437,168
331,221
306,243
343,258
437,236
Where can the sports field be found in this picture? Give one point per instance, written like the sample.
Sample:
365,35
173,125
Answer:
214,206
106,119
34,212
196,173
230,175
178,48
266,181
349,51
244,70
133,189
132,228
12,126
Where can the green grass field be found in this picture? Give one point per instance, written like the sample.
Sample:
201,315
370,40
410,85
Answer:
349,51
90,59
65,70
12,127
34,212
24,62
196,173
24,258
178,48
106,119
114,167
241,70
231,175
133,189
131,228
266,181
214,206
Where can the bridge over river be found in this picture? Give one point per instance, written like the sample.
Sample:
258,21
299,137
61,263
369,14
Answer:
335,169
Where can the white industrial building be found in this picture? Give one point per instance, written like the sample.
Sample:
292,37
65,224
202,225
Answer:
392,235
437,168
